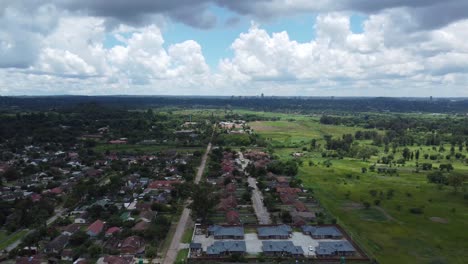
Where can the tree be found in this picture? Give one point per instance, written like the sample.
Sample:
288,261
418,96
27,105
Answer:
406,153
364,152
455,181
417,154
204,200
150,252
78,238
11,174
437,177
94,251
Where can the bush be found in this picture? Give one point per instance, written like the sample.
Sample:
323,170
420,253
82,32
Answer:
366,205
416,210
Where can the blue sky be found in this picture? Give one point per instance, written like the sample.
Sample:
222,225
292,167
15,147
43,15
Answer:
216,41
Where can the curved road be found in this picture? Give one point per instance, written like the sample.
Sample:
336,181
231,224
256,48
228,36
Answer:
181,226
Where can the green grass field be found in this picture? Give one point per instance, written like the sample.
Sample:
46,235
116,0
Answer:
7,239
389,232
298,133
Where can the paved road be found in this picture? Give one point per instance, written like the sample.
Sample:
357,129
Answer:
184,218
262,213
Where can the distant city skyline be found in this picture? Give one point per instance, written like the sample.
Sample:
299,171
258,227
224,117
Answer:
243,48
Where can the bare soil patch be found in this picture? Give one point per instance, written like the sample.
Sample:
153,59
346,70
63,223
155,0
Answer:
352,206
438,220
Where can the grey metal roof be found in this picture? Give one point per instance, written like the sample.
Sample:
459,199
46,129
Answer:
220,247
331,247
281,246
322,230
226,231
281,230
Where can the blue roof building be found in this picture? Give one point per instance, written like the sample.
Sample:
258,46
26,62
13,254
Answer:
282,248
274,232
334,248
230,232
226,247
318,232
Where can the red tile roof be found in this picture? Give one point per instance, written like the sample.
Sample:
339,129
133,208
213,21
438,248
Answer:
36,197
112,230
118,259
96,227
160,185
288,190
232,217
56,190
300,207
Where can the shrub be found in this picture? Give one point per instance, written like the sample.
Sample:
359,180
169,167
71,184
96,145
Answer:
416,210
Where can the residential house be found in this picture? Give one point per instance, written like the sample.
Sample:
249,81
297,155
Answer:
80,261
82,218
95,228
334,248
113,230
141,226
298,221
116,260
220,248
300,206
228,232
147,216
71,229
288,198
320,232
232,218
57,244
195,249
281,248
36,259
67,255
133,245
162,185
308,216
274,232
230,188
36,197
227,203
56,191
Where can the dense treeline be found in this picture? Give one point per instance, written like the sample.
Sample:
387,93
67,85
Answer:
64,127
297,104
406,130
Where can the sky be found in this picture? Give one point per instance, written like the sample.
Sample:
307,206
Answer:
242,47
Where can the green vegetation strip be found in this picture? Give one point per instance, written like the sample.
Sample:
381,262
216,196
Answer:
182,256
6,240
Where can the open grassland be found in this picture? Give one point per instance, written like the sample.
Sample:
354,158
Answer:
286,133
387,230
